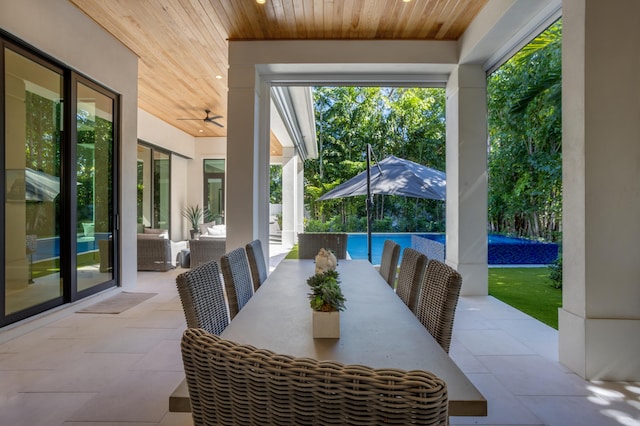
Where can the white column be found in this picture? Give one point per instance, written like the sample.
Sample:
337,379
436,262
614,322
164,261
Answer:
599,322
299,198
289,184
247,207
466,243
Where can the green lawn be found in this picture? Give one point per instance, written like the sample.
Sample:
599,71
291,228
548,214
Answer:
529,290
293,254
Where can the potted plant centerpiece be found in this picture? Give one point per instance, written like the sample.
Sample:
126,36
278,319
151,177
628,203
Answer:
194,215
326,300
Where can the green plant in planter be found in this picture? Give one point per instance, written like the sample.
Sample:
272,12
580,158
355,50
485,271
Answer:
194,215
326,294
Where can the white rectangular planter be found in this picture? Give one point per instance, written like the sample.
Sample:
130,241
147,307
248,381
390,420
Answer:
326,325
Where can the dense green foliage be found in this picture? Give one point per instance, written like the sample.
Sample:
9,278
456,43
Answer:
529,290
275,188
525,139
405,122
555,272
525,148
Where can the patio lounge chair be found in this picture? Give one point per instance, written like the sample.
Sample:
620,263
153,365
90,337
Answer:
236,384
154,253
206,250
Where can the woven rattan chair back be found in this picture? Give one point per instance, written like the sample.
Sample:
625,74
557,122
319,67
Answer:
233,384
310,243
257,263
237,279
206,250
438,300
410,275
202,298
154,253
389,261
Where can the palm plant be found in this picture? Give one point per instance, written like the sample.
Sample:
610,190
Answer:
194,215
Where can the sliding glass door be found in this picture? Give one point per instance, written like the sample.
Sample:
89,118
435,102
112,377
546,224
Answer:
94,174
154,188
58,133
214,190
33,117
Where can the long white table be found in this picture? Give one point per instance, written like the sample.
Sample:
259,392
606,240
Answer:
376,329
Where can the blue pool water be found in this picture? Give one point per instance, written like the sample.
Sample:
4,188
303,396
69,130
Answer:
502,250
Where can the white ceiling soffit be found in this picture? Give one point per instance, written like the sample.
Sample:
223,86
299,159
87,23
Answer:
419,75
504,27
292,112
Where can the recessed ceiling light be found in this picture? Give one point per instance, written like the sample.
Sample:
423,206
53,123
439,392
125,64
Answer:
201,131
406,1
219,77
261,1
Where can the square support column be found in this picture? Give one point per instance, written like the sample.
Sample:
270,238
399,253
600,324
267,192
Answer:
466,244
599,322
247,207
289,194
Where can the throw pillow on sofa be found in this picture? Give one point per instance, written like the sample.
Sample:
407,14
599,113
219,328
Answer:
161,233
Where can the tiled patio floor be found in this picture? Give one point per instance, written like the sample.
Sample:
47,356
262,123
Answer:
94,369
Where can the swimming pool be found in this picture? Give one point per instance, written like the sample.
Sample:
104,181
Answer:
502,250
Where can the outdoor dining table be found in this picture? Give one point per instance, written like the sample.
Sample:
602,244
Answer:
376,329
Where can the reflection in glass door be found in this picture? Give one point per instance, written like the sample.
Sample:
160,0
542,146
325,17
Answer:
58,217
154,186
161,189
33,125
214,190
94,148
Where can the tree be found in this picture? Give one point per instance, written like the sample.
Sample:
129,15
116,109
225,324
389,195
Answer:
275,186
406,122
525,140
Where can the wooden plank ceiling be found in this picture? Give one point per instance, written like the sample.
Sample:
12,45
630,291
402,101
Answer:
183,44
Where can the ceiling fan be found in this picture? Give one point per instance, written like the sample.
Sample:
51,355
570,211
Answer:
207,119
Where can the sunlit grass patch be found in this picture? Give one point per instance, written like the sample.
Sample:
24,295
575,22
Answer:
529,290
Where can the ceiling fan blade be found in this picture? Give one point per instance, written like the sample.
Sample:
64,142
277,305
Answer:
207,119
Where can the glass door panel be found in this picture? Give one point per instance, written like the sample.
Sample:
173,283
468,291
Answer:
161,189
154,186
144,186
215,205
214,190
94,229
33,120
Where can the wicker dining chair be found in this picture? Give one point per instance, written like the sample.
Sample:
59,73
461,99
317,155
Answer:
389,261
257,264
237,279
309,243
438,300
234,384
202,297
410,275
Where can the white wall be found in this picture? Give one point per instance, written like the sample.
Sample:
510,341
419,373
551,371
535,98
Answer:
58,29
186,167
